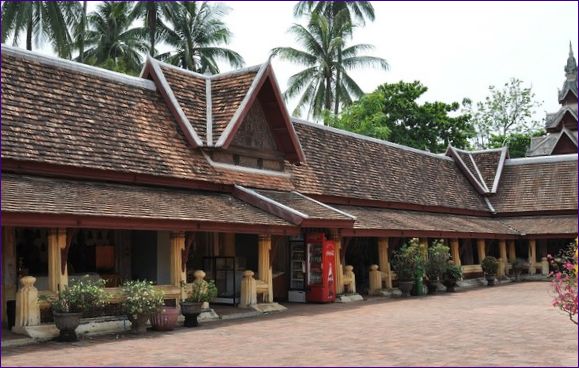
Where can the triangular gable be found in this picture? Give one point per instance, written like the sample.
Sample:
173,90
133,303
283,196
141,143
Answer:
482,168
569,91
566,113
265,90
566,143
152,70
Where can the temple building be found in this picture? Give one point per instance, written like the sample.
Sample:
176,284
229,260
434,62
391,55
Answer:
561,126
154,177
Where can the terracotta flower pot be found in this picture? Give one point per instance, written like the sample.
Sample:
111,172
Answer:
165,319
67,324
138,323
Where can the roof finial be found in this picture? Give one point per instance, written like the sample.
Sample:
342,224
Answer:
571,67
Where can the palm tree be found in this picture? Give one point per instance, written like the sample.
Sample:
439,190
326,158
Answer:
325,55
152,12
355,10
80,28
40,20
195,30
113,43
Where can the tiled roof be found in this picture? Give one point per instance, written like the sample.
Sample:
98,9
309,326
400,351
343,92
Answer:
28,194
536,225
346,165
60,114
482,168
538,184
488,164
226,97
373,218
190,91
545,145
303,204
553,120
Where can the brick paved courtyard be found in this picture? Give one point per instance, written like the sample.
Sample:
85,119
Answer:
510,325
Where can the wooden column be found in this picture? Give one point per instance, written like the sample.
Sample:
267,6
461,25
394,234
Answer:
455,251
503,260
480,247
229,245
177,271
264,265
8,268
532,256
57,271
512,251
384,262
423,246
339,270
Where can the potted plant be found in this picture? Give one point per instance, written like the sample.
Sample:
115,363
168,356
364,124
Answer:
407,261
140,300
490,265
518,267
451,276
67,309
202,293
165,318
438,256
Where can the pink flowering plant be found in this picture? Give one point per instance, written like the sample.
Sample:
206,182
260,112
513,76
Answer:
565,281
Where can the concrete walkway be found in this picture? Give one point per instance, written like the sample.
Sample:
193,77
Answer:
510,325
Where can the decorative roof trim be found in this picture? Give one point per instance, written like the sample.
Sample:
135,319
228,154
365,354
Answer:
209,112
181,118
80,68
566,132
214,76
369,139
221,165
482,180
325,205
489,205
560,115
469,175
500,167
257,82
231,73
269,205
541,159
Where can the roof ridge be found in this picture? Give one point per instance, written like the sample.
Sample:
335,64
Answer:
80,67
212,76
370,139
541,159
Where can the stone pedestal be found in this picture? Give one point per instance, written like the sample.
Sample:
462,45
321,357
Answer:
349,280
27,308
544,266
375,280
248,291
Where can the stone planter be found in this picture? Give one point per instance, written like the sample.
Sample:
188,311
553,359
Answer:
191,311
490,280
67,324
405,287
450,286
139,323
432,286
165,319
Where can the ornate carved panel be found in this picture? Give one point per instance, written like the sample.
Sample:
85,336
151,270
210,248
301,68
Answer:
254,132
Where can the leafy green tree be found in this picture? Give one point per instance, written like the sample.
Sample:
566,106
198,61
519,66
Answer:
505,111
152,13
392,112
113,43
40,20
195,30
317,83
518,143
357,11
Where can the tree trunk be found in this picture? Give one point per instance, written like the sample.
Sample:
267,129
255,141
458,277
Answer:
152,25
82,33
337,101
29,34
328,102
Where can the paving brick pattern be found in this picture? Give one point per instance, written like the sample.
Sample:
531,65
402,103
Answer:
510,325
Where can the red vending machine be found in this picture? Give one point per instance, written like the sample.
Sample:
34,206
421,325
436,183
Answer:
320,269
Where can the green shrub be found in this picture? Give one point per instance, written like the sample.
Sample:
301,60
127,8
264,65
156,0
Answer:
141,297
452,274
408,261
490,265
438,256
202,291
83,295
